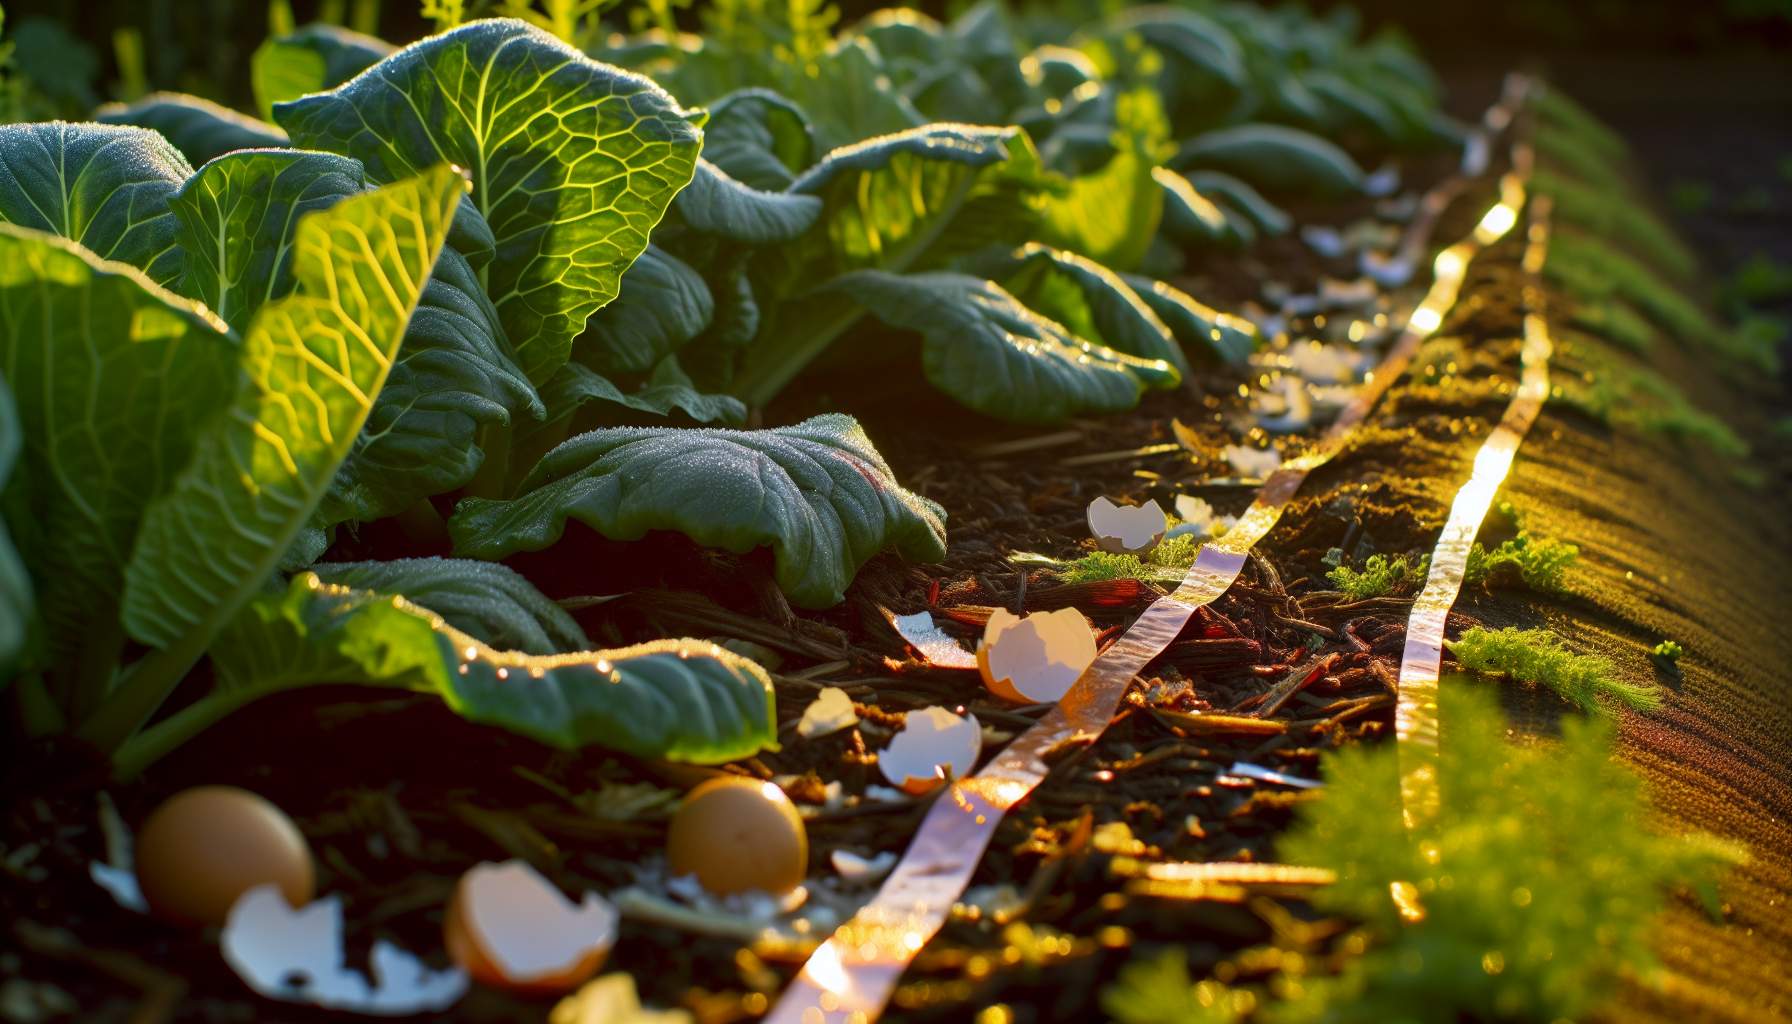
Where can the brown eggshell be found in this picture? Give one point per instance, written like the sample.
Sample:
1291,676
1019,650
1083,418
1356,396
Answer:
738,835
204,847
467,951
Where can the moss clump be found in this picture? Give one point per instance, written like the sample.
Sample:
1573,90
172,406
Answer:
1639,399
1173,553
1176,552
1160,991
1557,110
1099,566
1541,565
1616,322
1539,658
1618,218
1379,576
1596,272
1538,881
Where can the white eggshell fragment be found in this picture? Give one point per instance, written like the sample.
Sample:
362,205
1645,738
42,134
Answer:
934,745
1198,518
1252,463
296,956
510,927
1034,659
121,883
829,713
1126,529
937,647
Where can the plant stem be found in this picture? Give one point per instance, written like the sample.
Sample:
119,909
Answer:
423,524
141,690
38,714
152,744
95,665
768,369
490,481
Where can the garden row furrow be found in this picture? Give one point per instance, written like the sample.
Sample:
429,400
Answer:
851,975
1415,714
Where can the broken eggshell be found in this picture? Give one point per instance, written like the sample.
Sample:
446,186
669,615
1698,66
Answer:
1199,519
1034,659
1126,529
1252,463
204,847
830,712
296,956
936,646
934,744
510,928
736,834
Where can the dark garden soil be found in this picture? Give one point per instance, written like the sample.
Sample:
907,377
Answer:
398,796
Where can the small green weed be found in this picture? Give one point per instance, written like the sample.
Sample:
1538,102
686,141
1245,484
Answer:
1379,576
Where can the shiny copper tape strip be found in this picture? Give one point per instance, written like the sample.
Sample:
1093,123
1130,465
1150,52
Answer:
1415,712
850,977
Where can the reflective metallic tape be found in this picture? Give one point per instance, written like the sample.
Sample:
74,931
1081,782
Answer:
849,977
1415,713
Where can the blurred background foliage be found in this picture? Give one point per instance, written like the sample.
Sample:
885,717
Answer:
67,57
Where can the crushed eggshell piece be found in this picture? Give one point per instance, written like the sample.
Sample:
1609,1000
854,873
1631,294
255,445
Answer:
937,647
1126,529
934,745
296,956
511,928
830,712
1284,407
1198,518
1252,463
1034,659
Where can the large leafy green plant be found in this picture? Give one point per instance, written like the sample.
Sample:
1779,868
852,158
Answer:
180,449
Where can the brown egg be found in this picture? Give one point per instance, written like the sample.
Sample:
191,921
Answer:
508,927
206,846
739,834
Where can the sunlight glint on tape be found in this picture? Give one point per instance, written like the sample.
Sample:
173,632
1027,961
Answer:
1415,713
850,977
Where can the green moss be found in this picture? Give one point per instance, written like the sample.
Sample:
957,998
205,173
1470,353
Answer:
1541,565
1160,991
1668,651
1616,322
1596,272
1557,110
1573,154
1639,399
1379,576
1617,218
1097,566
1538,657
1761,279
1539,880
1175,553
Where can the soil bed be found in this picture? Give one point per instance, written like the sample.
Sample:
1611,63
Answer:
398,796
